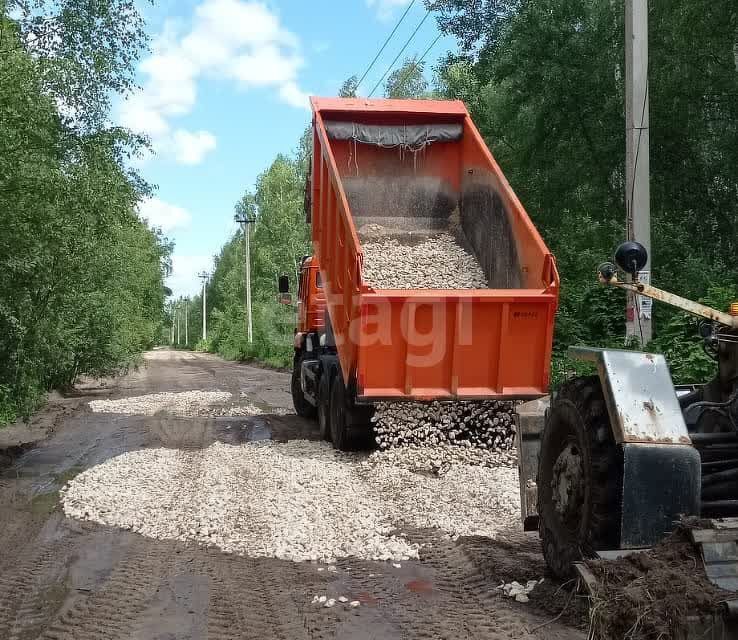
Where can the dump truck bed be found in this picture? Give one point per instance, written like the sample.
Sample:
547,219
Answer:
415,168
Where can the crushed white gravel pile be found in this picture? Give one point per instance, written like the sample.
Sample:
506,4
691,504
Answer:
438,459
436,263
184,403
238,410
296,501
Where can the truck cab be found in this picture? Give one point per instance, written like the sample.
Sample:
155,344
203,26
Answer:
310,299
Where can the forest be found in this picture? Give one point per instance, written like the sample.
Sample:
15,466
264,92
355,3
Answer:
544,81
83,291
82,288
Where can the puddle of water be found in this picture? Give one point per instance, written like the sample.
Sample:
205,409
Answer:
45,503
199,433
238,430
69,474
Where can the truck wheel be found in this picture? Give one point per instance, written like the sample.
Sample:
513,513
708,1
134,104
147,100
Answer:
324,404
339,428
580,477
302,406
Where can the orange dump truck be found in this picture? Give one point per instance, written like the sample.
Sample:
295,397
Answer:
415,168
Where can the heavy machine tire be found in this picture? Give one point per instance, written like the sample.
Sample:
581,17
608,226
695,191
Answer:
302,406
324,404
341,432
580,477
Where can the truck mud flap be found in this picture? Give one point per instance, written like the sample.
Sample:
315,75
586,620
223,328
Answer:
661,483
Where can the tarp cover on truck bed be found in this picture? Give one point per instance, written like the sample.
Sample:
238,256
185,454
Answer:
411,136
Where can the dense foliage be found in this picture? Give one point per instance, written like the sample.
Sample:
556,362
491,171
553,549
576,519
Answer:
545,82
82,276
279,239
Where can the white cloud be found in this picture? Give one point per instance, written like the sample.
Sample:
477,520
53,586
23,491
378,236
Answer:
162,214
239,40
385,8
184,279
190,148
266,66
293,95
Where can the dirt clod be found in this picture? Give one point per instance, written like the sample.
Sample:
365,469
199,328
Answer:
652,593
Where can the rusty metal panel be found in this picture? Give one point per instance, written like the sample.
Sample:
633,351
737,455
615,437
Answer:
640,395
530,420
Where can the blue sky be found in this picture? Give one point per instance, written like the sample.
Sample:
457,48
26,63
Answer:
225,89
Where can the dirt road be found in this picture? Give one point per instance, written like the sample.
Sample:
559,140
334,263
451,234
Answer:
67,579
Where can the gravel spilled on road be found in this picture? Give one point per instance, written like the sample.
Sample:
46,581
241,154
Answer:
297,501
184,403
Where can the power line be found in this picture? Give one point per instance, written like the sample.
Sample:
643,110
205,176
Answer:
419,60
405,46
386,42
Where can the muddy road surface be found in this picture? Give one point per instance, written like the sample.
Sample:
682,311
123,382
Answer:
67,578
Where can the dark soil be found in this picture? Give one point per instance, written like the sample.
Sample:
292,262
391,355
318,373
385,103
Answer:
519,559
652,593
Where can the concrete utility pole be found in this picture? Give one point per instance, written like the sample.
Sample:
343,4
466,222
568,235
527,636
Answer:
187,337
246,222
204,277
179,332
637,169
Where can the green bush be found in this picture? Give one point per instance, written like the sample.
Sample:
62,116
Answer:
679,340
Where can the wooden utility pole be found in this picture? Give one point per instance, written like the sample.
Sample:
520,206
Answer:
637,170
204,277
246,222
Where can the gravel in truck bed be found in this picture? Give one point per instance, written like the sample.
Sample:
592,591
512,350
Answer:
435,263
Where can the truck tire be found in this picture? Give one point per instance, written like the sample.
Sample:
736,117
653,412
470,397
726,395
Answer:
341,432
324,404
302,406
580,477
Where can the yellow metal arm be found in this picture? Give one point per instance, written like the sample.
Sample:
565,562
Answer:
695,308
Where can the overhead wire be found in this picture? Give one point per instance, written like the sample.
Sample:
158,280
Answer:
419,60
397,57
635,164
386,42
631,229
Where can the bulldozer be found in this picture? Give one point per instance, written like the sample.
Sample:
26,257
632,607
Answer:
623,455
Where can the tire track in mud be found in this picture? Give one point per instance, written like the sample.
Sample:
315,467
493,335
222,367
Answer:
113,610
439,598
25,605
252,599
471,603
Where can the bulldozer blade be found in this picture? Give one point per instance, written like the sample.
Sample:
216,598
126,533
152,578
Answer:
718,545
